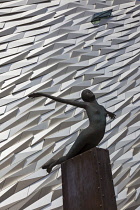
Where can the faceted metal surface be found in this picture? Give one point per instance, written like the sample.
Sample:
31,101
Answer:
52,46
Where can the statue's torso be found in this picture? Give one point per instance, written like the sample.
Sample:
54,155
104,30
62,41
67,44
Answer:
97,123
97,116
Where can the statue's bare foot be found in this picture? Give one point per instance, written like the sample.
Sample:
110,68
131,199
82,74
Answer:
47,167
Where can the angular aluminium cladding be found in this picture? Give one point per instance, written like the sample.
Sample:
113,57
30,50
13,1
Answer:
52,46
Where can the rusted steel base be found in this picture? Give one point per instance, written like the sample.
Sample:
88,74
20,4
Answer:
87,182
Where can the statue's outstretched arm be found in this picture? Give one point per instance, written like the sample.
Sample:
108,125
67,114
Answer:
66,101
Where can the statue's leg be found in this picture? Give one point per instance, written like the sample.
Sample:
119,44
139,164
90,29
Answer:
81,144
78,147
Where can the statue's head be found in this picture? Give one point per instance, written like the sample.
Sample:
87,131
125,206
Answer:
87,95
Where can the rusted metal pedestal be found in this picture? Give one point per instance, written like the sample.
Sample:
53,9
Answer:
87,182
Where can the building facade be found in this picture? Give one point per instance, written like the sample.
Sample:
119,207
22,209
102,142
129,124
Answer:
62,47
